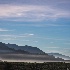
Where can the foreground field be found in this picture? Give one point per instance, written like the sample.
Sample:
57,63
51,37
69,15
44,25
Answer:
34,66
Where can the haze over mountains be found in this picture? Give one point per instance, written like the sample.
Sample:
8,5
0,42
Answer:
13,51
59,55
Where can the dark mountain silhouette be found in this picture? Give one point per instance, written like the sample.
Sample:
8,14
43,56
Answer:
13,51
27,48
3,46
5,49
13,48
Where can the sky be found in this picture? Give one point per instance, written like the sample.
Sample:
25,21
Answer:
39,23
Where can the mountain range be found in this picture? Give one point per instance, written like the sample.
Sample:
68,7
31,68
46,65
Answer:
5,49
60,56
25,52
27,48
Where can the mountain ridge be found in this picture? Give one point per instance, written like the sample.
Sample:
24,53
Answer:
29,50
5,49
26,48
60,56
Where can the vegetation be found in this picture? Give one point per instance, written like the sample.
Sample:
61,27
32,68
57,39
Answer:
34,66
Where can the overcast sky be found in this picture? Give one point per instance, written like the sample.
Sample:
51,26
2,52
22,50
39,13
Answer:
40,23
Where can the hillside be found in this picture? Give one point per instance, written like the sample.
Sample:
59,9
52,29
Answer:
24,53
13,48
30,49
5,49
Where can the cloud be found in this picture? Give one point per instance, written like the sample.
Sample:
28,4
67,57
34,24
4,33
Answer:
54,39
30,34
30,41
34,2
6,35
52,47
27,34
4,30
31,13
17,36
9,39
39,25
26,40
36,41
52,51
